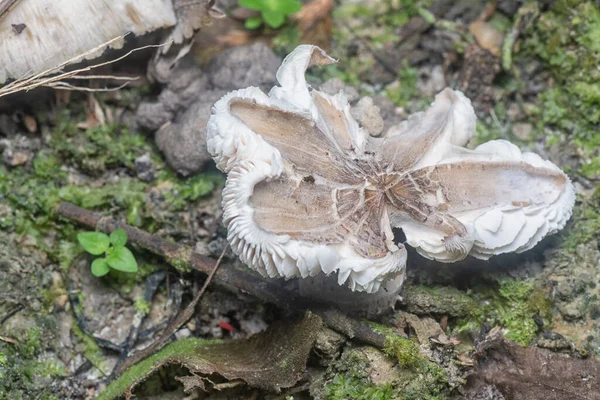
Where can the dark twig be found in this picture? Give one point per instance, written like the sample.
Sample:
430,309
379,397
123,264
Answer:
183,258
12,312
181,319
152,284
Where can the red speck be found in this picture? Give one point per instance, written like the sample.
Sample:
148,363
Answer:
226,325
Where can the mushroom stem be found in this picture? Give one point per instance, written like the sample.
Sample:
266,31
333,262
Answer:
183,259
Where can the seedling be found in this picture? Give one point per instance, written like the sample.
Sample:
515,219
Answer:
272,12
116,255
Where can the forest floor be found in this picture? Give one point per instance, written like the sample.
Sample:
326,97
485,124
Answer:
531,71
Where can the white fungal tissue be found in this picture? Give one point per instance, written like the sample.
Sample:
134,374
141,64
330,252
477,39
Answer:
310,192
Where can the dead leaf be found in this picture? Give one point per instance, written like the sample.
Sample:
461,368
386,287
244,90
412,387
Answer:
270,360
487,36
94,113
30,123
532,373
426,328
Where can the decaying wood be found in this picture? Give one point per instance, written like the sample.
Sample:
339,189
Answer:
183,258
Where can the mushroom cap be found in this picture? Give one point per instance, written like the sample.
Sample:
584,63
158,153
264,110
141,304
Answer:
309,191
39,35
54,31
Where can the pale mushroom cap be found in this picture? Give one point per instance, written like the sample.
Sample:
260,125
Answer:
309,191
57,30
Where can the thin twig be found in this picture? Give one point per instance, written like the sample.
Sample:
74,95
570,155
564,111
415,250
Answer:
12,312
181,319
44,79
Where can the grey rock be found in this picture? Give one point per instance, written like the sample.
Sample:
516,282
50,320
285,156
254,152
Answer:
8,127
522,130
334,85
243,66
388,111
367,114
431,79
183,142
484,392
328,346
186,86
152,116
145,168
186,83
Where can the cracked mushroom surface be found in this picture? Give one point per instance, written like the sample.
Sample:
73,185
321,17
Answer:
309,192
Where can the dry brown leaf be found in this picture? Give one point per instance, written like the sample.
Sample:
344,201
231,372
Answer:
270,360
487,36
30,123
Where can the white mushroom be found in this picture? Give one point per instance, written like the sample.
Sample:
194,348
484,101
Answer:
37,35
309,191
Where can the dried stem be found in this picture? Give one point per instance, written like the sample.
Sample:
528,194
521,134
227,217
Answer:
47,79
183,258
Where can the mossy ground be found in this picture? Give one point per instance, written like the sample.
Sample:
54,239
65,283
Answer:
95,169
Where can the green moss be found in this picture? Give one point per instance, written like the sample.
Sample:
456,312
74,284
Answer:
141,370
188,190
24,370
99,149
565,39
510,303
345,387
441,300
433,380
404,89
142,306
585,223
406,351
486,131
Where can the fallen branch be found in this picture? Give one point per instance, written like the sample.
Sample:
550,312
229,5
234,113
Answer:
184,259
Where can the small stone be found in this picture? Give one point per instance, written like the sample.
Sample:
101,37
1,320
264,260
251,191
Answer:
145,168
574,309
243,66
30,123
183,142
487,36
334,85
16,158
368,116
431,79
328,345
152,116
183,333
522,130
8,127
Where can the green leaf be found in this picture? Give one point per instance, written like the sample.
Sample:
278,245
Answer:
427,15
288,7
253,23
273,18
122,259
118,237
252,4
95,243
100,267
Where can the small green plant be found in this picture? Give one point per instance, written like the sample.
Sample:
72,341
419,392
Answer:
272,12
116,255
